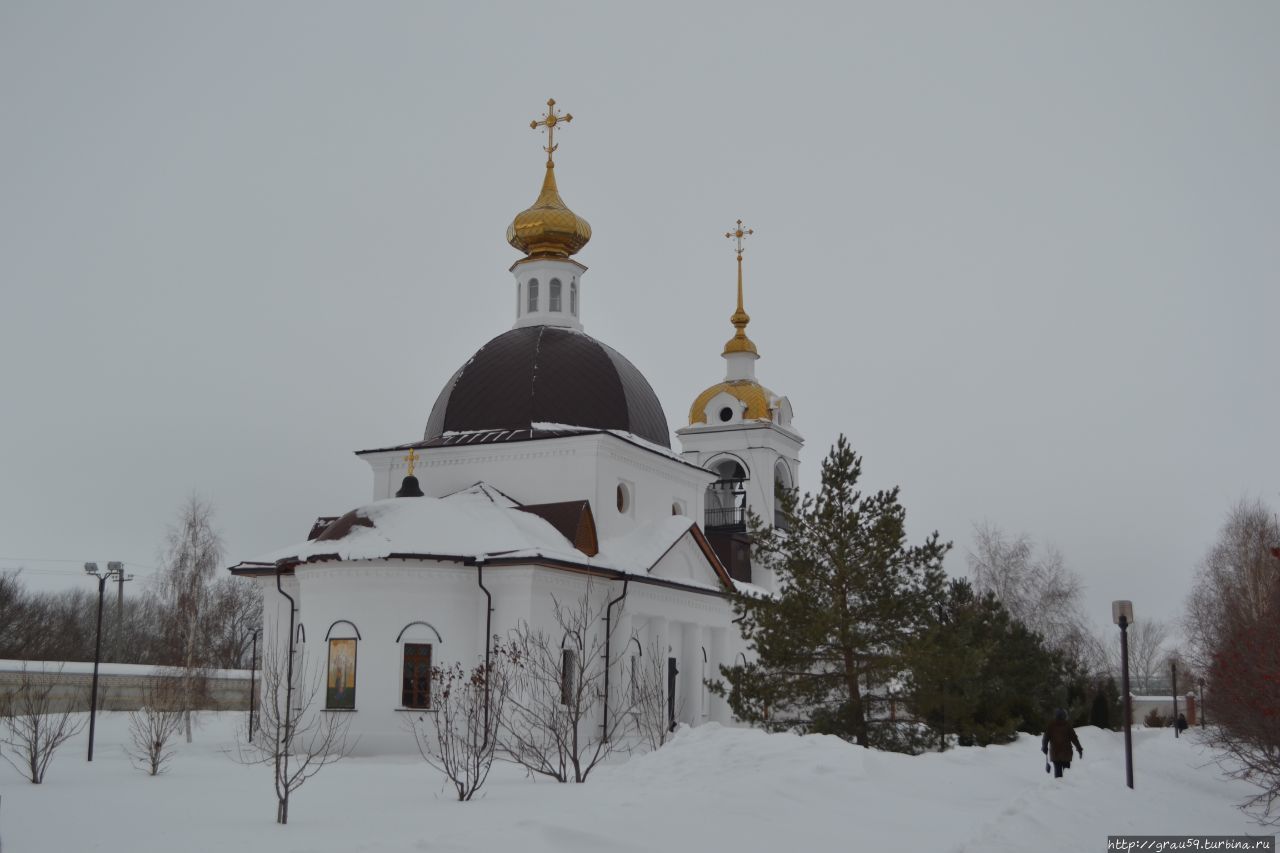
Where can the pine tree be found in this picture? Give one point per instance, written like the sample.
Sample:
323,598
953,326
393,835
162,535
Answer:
851,593
978,673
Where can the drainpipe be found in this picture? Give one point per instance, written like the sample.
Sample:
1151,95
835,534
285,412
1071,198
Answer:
608,634
288,690
488,639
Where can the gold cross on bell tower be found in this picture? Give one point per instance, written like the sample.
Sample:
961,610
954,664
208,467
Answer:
740,318
738,235
412,458
549,120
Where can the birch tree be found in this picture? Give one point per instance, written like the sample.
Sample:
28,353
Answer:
192,554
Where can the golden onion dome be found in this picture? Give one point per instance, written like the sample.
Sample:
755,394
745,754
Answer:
755,396
548,229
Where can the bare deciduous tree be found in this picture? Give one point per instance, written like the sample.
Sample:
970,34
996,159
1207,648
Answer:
1148,658
153,726
561,724
1233,619
1234,581
1037,589
459,736
234,611
191,559
35,725
43,625
294,736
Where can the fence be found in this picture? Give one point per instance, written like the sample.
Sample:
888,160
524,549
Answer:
121,687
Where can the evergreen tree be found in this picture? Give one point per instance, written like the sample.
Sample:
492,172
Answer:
1100,714
851,594
978,673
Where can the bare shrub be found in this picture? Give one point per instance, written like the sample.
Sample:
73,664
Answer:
295,737
560,722
35,726
1155,720
459,735
651,715
153,726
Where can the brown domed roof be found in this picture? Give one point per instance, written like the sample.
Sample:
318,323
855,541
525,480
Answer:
548,375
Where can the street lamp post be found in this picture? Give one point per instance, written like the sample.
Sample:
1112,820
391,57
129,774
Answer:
114,571
1122,615
1173,677
253,675
1201,708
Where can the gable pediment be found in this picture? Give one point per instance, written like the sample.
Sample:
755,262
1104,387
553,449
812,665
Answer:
689,560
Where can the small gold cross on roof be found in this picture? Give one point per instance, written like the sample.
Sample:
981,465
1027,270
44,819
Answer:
411,459
549,120
738,234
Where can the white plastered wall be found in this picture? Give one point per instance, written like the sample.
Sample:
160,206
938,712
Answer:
579,467
381,598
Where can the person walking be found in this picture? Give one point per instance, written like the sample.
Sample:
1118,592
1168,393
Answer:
1058,739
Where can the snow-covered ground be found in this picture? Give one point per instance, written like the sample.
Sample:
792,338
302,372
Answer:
710,789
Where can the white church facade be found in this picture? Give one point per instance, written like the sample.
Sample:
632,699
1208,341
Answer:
545,473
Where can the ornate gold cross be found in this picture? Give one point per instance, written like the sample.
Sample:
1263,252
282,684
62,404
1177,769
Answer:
549,120
411,459
737,235
740,317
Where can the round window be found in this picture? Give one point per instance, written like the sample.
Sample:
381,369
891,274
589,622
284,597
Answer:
624,498
726,414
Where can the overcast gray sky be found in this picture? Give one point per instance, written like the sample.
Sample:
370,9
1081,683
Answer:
1023,254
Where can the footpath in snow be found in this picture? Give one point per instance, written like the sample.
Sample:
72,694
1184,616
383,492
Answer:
710,789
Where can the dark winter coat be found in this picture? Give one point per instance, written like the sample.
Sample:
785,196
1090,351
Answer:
1060,737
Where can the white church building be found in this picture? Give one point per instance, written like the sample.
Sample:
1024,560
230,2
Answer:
546,470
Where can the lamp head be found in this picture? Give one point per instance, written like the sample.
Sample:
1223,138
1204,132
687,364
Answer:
1122,610
90,568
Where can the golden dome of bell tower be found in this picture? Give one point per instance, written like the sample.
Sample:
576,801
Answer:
754,401
549,229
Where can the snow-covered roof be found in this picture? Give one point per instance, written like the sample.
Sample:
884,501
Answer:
473,524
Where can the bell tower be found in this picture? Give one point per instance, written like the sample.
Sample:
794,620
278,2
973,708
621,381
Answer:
742,431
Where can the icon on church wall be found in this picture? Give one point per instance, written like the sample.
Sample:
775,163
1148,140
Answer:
340,687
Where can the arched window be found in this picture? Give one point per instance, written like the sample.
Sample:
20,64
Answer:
781,484
568,677
573,297
533,295
340,680
518,300
415,688
555,295
727,497
415,682
635,657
